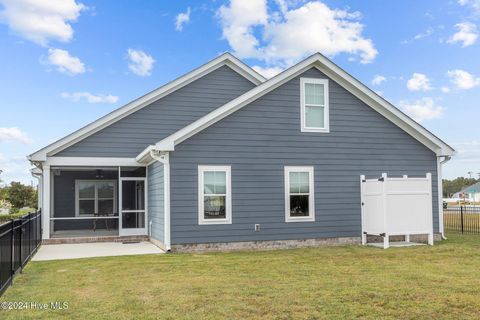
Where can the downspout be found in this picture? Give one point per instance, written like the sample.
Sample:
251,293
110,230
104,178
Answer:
163,157
440,192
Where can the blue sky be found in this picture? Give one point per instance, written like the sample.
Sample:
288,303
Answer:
64,64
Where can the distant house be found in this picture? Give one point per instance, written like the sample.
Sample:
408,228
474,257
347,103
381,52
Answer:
222,157
471,192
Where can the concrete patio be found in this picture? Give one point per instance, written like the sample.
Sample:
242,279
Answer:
90,250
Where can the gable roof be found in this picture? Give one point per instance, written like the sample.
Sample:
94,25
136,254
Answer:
137,104
333,71
474,188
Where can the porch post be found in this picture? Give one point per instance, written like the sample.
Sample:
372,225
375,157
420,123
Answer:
39,191
46,201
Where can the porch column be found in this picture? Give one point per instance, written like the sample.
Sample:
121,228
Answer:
46,202
39,191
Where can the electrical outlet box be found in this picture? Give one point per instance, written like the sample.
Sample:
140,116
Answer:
257,227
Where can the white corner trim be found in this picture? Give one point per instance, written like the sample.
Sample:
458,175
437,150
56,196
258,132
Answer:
137,104
164,158
228,195
336,74
311,193
326,106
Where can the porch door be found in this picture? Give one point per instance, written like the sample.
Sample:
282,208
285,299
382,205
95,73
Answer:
133,216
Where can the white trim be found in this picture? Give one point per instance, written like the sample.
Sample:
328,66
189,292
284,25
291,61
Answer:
311,193
333,72
164,158
95,198
228,195
166,200
440,194
46,177
224,59
93,161
133,231
326,109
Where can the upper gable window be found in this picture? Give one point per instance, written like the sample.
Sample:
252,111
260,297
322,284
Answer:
314,105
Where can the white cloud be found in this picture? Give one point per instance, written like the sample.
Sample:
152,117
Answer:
238,20
140,63
15,168
419,82
14,134
425,34
268,72
467,34
64,62
41,20
474,4
182,19
445,89
292,33
89,97
462,79
423,109
378,79
468,151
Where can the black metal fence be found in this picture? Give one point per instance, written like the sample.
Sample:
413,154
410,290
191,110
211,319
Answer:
463,219
19,239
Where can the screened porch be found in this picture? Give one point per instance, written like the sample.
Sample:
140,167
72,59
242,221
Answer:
98,202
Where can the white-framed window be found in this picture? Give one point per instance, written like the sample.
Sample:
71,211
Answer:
299,194
214,195
95,197
314,109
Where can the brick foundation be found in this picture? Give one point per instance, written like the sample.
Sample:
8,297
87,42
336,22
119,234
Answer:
264,245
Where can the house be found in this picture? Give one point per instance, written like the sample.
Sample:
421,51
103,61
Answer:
222,158
470,193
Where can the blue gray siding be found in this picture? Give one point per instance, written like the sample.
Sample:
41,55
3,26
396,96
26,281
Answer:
263,137
130,135
156,200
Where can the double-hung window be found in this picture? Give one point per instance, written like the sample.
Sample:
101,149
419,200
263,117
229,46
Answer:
214,195
95,197
314,105
299,194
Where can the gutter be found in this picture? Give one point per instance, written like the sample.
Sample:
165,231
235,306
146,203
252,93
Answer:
440,191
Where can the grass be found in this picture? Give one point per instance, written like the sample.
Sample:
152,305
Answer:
439,282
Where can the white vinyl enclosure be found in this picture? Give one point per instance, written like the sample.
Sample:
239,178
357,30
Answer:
396,206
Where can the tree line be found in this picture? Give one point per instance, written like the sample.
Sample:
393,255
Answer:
452,186
18,196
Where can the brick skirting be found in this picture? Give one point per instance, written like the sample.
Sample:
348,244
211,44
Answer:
264,245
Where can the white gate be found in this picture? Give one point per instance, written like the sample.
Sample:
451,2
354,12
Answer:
396,206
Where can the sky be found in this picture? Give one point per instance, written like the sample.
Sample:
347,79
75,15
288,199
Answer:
63,64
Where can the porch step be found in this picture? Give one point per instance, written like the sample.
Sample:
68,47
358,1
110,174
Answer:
96,239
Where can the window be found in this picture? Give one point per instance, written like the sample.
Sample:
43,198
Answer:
299,194
314,105
95,197
214,195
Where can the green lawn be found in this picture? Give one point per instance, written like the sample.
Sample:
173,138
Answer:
330,282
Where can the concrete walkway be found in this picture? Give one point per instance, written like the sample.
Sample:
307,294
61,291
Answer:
96,249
